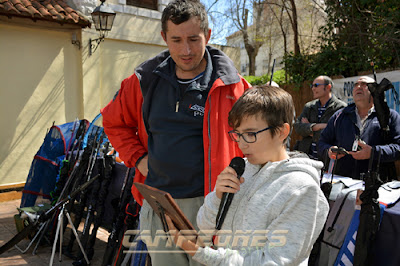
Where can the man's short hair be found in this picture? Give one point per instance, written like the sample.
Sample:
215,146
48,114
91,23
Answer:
273,104
180,11
327,80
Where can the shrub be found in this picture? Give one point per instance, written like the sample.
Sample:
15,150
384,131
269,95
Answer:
279,77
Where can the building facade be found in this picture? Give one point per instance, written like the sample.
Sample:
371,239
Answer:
48,75
275,25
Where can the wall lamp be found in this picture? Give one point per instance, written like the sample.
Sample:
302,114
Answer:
103,19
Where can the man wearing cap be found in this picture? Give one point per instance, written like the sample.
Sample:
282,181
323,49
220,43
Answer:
356,128
315,115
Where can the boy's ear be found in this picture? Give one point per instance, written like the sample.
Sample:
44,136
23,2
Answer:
284,131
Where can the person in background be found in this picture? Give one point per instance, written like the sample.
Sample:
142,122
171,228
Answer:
315,115
356,129
169,119
278,209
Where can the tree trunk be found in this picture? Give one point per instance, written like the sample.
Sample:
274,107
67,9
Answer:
295,28
252,62
251,52
284,36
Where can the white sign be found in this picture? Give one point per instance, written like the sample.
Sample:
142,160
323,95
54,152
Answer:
343,88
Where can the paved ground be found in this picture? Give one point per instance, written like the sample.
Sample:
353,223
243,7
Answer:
15,257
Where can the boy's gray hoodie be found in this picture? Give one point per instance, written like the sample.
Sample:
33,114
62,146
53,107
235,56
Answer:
282,208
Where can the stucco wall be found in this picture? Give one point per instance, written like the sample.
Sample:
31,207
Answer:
40,83
131,41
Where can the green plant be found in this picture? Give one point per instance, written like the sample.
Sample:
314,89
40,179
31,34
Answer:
356,33
279,77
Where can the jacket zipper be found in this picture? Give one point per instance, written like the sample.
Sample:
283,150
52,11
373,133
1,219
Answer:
209,142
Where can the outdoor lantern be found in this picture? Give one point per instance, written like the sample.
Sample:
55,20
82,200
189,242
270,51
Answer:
103,19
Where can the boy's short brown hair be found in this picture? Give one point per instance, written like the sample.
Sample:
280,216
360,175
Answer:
273,104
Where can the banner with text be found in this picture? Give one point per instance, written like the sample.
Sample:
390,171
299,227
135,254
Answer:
343,88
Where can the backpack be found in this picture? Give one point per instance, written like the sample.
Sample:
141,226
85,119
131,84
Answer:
42,176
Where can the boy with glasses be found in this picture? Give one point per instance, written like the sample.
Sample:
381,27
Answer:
315,115
278,208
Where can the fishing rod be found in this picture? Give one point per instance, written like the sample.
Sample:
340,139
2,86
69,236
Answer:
79,208
116,234
43,217
65,179
98,206
272,73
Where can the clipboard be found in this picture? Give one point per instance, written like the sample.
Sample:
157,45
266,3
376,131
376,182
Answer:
163,203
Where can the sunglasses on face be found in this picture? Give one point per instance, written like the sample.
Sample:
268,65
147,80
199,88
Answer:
318,84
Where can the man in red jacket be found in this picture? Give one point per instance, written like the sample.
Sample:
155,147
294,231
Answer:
170,118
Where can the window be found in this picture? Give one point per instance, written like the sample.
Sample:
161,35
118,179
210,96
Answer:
149,4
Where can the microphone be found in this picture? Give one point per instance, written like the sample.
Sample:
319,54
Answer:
238,165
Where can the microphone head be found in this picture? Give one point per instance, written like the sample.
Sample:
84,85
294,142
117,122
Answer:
238,165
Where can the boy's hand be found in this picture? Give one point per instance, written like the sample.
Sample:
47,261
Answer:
227,181
180,240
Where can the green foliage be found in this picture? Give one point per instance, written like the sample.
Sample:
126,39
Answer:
296,67
356,32
279,77
254,80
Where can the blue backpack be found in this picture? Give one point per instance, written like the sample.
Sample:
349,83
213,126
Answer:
46,163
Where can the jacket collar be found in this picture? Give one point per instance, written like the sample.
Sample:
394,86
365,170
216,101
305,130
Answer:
331,102
351,110
224,68
166,70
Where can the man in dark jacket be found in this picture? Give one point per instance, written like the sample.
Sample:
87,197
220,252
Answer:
315,115
357,125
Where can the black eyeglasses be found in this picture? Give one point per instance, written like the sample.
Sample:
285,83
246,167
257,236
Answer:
318,84
249,137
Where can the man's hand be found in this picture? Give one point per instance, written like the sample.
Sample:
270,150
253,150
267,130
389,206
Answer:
143,166
335,155
227,181
314,127
364,153
319,126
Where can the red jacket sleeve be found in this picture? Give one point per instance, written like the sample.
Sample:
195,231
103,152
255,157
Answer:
219,149
123,123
